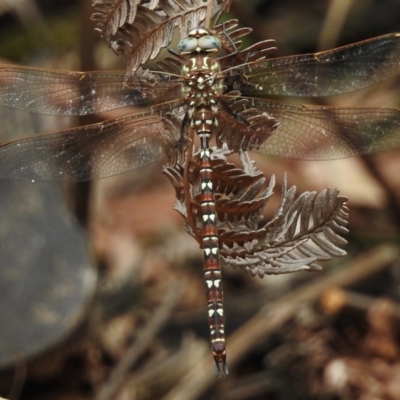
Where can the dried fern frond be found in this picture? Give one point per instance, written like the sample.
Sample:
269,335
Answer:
245,128
138,29
229,34
304,230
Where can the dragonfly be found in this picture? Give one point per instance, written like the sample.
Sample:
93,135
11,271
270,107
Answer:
205,95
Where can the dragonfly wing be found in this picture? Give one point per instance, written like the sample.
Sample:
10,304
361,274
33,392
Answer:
52,92
92,151
324,133
332,72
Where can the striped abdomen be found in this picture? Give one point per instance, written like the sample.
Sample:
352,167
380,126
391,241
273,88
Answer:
203,121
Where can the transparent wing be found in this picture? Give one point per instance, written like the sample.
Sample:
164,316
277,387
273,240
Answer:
341,70
92,151
52,92
323,132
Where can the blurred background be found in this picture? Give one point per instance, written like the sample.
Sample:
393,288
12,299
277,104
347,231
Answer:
88,269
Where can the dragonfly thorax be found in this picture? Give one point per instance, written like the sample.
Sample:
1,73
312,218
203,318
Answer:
200,89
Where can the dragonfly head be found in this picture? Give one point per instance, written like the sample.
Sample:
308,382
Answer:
199,41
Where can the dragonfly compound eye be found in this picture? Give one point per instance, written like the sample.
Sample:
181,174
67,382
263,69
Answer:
204,43
188,45
209,43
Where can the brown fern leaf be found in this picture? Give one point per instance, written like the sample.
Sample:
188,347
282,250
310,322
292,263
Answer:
137,30
169,65
232,186
303,230
110,15
229,35
228,178
240,195
244,128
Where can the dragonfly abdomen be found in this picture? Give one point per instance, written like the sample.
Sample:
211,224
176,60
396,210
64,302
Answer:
212,269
